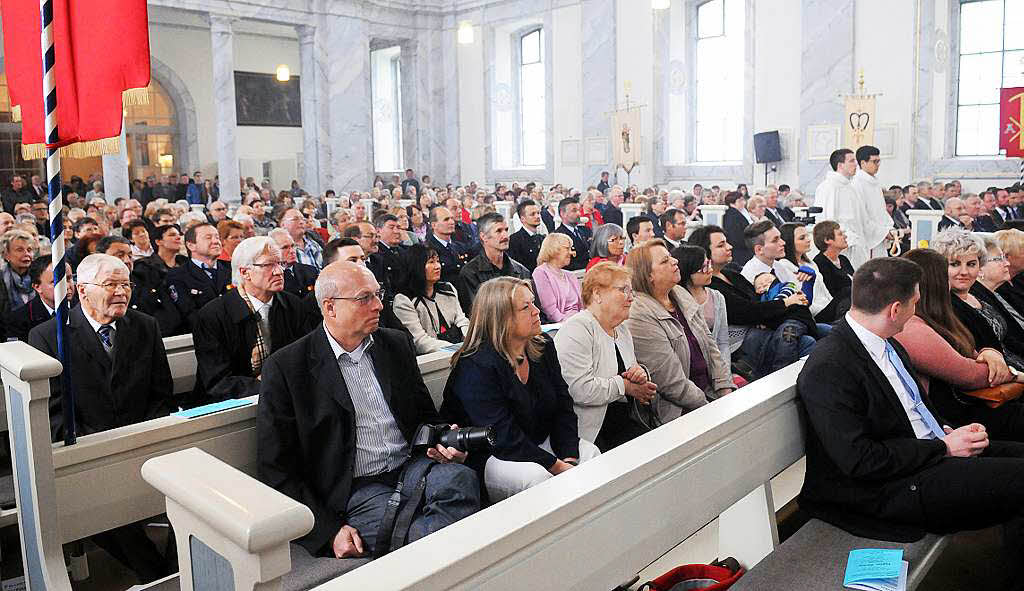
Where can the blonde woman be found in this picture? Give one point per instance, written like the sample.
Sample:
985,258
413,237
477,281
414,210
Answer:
558,290
595,350
506,375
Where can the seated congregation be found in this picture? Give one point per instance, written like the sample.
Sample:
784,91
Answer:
323,308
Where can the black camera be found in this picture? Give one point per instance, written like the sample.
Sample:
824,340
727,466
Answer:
464,439
808,216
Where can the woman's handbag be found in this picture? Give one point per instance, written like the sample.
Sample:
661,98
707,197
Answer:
717,576
997,396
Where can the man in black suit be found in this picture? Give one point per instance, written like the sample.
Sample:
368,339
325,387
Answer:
17,193
569,212
386,263
203,277
453,255
524,243
953,214
880,464
734,222
603,185
611,212
778,214
121,377
673,224
40,308
337,411
148,295
298,278
982,221
235,333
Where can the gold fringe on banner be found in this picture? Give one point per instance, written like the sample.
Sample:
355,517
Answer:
110,145
135,96
16,113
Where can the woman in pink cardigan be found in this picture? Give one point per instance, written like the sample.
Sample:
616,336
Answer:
943,354
558,290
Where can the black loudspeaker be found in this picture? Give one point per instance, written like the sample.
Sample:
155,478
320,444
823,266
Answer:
767,148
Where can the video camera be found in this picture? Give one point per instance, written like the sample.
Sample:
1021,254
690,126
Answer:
806,215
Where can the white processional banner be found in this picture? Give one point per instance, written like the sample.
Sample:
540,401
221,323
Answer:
626,138
859,124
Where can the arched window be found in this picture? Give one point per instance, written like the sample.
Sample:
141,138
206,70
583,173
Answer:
720,83
532,99
151,134
11,162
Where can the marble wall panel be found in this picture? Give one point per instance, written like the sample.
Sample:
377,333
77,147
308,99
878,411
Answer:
599,75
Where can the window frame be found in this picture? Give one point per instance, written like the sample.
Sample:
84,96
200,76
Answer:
693,39
518,64
395,72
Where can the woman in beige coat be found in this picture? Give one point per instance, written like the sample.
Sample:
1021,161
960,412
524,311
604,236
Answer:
670,337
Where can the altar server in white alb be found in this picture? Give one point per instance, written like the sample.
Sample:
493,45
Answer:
877,223
840,203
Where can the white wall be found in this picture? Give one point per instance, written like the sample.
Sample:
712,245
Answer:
567,82
186,49
471,109
635,64
777,82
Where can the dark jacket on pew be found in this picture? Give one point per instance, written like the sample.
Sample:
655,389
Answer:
132,387
299,279
152,295
191,288
306,425
20,321
860,445
224,336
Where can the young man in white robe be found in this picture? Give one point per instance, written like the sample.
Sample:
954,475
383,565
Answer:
840,203
877,222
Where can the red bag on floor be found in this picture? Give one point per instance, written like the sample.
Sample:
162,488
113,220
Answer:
705,577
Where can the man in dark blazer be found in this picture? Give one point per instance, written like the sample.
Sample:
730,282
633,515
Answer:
298,277
734,222
203,277
569,212
453,254
121,377
880,463
524,243
320,396
235,333
39,309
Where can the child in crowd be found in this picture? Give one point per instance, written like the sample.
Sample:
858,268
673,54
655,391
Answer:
769,287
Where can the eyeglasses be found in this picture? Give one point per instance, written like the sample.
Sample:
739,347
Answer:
626,291
112,287
364,299
273,266
616,239
998,259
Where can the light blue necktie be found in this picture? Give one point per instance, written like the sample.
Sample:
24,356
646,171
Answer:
915,396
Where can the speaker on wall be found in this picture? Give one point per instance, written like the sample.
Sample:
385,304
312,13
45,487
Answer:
767,148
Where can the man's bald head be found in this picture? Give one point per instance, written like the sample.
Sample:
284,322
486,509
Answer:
954,207
350,302
343,276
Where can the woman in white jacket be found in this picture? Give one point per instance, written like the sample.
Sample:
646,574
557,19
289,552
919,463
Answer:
595,351
429,308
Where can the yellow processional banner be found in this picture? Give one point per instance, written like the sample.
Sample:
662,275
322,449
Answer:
859,123
626,138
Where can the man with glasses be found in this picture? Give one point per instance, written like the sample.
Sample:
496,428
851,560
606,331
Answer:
235,333
308,251
361,382
873,221
148,297
217,212
298,277
203,277
121,377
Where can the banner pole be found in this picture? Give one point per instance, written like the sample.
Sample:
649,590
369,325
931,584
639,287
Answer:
56,204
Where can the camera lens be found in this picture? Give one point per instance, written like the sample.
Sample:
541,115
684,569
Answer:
469,439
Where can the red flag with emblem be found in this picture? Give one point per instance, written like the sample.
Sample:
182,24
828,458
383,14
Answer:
102,62
1011,114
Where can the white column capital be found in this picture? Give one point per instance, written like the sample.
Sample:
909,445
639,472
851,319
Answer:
307,34
220,23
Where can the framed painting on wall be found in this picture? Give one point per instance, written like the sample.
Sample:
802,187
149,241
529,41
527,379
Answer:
262,100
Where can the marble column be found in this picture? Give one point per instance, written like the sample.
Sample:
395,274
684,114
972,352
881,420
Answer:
826,69
599,79
116,182
349,123
223,44
448,90
310,114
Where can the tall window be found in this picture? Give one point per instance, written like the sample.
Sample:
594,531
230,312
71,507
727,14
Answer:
386,95
991,57
532,99
151,135
719,81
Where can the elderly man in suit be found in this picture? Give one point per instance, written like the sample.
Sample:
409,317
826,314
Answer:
121,377
337,412
880,463
235,333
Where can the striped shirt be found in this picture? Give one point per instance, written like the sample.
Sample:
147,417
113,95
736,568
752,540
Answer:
380,445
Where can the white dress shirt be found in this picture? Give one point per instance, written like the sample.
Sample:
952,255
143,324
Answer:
756,266
876,350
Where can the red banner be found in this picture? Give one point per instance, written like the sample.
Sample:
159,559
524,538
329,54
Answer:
101,49
1011,114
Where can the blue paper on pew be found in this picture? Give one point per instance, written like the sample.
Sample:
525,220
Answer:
208,409
876,569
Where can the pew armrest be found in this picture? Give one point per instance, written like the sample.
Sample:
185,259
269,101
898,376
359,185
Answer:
27,363
247,512
232,531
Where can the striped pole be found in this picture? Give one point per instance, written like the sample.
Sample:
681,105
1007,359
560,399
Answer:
60,284
1021,179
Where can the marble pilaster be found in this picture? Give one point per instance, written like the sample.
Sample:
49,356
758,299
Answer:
826,68
116,182
310,114
448,88
599,76
350,128
223,45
